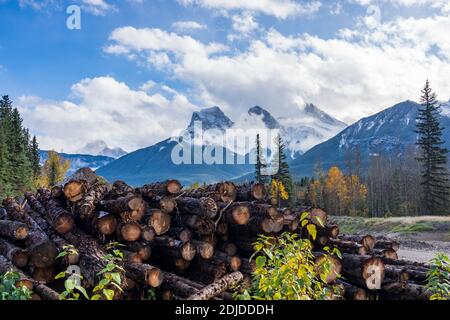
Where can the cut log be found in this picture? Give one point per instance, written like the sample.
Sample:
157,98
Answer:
204,249
142,248
385,253
106,223
367,241
130,231
395,273
227,247
167,188
120,189
60,219
251,192
330,231
13,230
247,266
218,287
74,190
129,208
202,226
42,251
148,233
330,262
180,233
18,256
234,262
145,274
352,292
203,207
318,217
175,248
400,291
223,192
159,221
364,271
86,208
349,247
387,244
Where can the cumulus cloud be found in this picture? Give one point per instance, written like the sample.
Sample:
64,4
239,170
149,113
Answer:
184,26
281,9
105,109
352,75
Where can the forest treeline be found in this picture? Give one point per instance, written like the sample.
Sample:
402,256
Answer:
19,152
410,182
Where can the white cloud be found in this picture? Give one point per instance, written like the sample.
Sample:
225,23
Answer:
348,76
183,26
443,5
281,9
105,109
98,7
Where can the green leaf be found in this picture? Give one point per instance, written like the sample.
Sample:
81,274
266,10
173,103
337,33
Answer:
312,231
260,261
304,216
70,284
116,277
83,291
60,275
96,297
109,294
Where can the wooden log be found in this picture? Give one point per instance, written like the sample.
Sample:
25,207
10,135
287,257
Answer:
332,263
129,208
159,221
180,286
318,217
167,188
42,251
145,274
86,208
387,244
367,240
251,192
203,207
142,248
204,249
330,231
13,230
223,192
385,253
148,233
74,190
42,290
60,219
175,248
200,225
247,266
164,203
352,292
130,231
401,291
349,247
228,247
180,233
18,256
235,213
105,223
395,273
120,189
291,221
234,262
206,271
364,271
218,287
407,273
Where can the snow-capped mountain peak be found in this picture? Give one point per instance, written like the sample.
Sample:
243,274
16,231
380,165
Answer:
210,118
100,148
269,121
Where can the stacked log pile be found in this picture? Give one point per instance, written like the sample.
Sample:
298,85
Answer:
185,244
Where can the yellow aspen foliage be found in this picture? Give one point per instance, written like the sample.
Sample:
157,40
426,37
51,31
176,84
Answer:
53,171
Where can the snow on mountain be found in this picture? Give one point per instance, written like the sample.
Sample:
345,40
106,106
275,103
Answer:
100,148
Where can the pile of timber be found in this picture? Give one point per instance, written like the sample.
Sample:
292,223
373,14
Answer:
185,244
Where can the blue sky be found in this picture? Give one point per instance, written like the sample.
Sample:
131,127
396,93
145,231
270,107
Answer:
146,65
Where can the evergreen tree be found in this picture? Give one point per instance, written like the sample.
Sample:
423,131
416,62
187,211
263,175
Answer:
280,163
34,157
260,164
435,176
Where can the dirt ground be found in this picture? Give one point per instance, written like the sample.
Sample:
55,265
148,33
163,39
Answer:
421,238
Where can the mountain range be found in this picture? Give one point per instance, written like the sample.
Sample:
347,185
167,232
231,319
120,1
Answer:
155,162
311,137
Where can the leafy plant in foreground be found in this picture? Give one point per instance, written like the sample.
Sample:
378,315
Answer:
438,279
9,288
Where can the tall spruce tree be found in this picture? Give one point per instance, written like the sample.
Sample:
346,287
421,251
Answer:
260,164
15,153
435,175
280,163
34,157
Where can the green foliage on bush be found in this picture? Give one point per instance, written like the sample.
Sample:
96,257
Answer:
286,270
9,290
438,280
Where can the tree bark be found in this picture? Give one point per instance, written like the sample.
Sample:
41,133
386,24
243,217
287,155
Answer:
13,230
251,192
223,192
364,271
159,221
18,256
399,291
387,244
129,208
218,287
203,207
367,241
